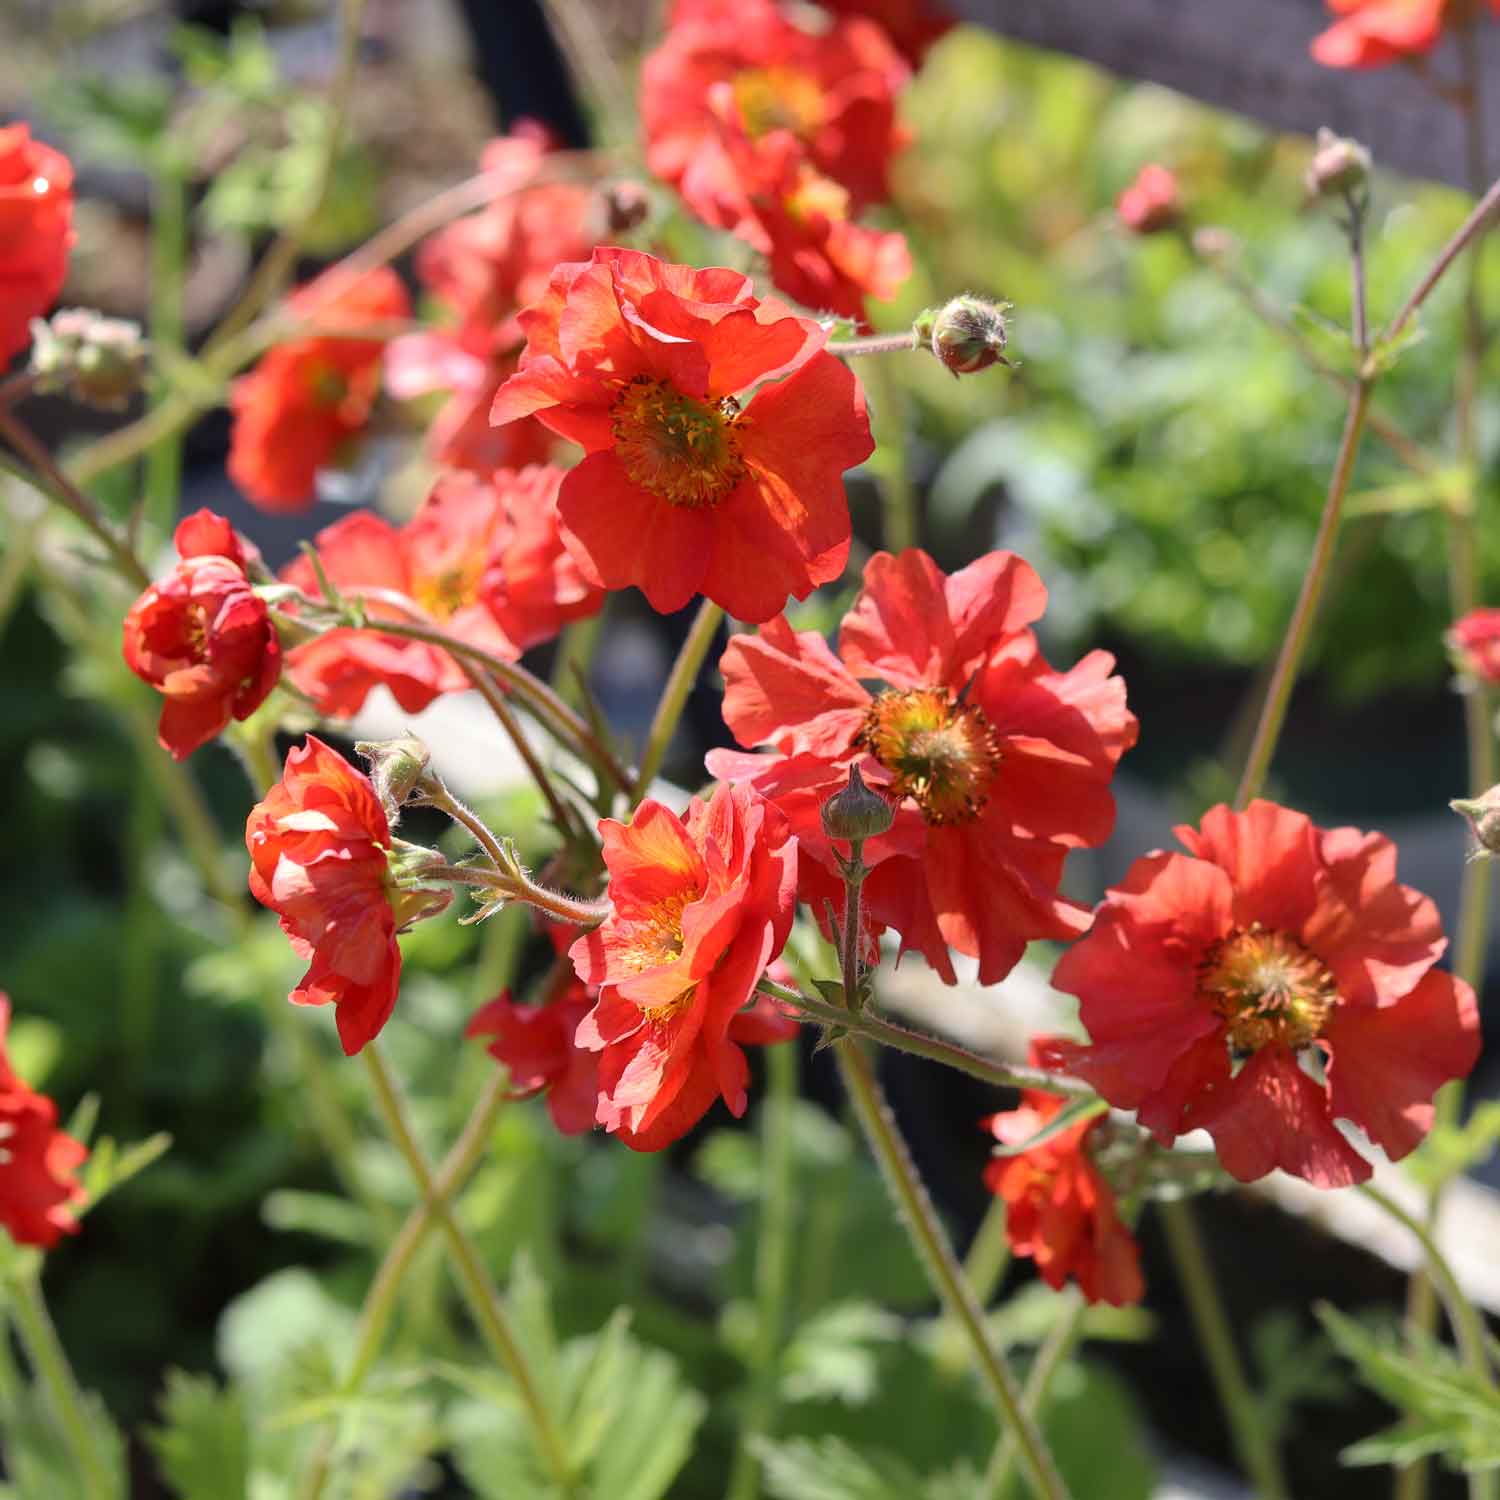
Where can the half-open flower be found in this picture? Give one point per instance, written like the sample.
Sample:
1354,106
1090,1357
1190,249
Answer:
1272,980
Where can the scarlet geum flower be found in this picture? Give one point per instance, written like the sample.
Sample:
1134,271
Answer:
996,765
1373,33
36,232
320,857
38,1161
202,637
1059,1208
535,1043
716,432
699,906
912,25
1273,979
1474,642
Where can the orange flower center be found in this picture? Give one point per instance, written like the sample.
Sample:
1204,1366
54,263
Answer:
816,194
778,98
442,595
1268,987
684,450
656,939
942,752
195,630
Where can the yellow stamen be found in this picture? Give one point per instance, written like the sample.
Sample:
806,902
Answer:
779,98
684,450
1268,987
943,752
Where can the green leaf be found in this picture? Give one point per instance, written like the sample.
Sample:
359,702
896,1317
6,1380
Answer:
834,1355
203,1445
831,1469
1065,1119
1447,1410
1452,1149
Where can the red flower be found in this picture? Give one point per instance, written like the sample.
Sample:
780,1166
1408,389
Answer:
1151,202
37,1160
535,1042
318,845
36,231
699,907
1373,33
912,25
310,396
1475,642
998,764
742,62
202,637
482,559
1274,979
683,491
1059,1210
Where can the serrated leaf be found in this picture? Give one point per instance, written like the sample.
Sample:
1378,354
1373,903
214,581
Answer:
834,1355
203,1444
830,1469
1065,1119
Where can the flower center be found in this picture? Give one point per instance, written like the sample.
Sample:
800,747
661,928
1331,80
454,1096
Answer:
942,752
195,630
656,938
1268,987
684,450
816,195
778,98
442,595
327,385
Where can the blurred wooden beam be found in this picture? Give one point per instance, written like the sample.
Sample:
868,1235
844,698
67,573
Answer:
1251,56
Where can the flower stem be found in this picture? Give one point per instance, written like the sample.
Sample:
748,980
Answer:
674,695
1055,1348
773,1264
169,254
50,1367
483,1297
1289,661
946,1276
380,1300
876,343
1195,1275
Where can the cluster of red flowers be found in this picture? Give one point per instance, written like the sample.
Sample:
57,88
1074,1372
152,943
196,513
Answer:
782,135
37,1160
36,231
1373,33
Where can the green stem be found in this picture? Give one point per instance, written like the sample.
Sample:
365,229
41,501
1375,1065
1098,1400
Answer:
1195,1276
773,1264
898,498
380,1301
169,254
873,1027
481,1293
946,1276
1056,1347
989,1253
492,695
1289,661
49,1364
674,695
876,343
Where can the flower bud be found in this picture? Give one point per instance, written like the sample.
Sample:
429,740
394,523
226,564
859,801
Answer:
856,812
96,360
1339,166
396,766
627,205
967,334
1151,203
1483,815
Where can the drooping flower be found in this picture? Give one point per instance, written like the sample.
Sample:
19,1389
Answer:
1373,33
37,1160
1475,643
1152,202
1059,1210
202,637
308,397
997,764
699,906
746,63
535,1042
481,558
1272,980
36,231
691,484
319,858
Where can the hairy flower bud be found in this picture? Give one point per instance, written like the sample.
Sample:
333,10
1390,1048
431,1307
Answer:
856,812
96,360
1483,815
967,334
396,766
1339,166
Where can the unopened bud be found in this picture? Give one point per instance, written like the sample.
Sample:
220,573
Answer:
396,766
1151,203
856,812
96,360
1339,166
1483,815
627,205
967,334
